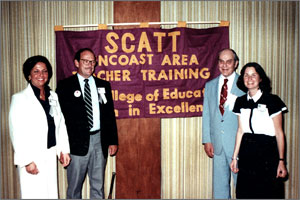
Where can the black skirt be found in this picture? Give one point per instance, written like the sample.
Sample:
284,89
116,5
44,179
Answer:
258,162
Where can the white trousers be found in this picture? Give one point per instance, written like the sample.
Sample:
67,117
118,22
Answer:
44,184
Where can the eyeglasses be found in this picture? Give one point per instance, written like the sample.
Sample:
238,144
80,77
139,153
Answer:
227,62
86,62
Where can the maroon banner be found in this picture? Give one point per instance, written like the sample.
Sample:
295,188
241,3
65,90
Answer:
153,72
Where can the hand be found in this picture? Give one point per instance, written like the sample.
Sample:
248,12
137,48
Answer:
209,149
32,168
64,159
112,150
281,170
233,166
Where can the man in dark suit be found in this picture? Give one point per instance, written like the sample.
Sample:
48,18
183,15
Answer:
219,123
87,105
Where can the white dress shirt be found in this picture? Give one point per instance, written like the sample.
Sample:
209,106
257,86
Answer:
95,100
230,97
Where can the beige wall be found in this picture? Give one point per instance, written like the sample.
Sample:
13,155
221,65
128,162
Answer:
264,32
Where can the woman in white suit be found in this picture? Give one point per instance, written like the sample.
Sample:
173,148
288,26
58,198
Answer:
38,132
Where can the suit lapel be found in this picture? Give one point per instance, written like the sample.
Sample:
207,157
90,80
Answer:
234,88
216,94
216,91
35,106
31,96
98,84
76,83
76,87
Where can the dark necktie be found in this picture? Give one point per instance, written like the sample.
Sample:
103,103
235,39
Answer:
88,102
223,96
251,106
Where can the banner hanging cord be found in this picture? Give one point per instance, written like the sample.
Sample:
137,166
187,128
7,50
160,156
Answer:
139,23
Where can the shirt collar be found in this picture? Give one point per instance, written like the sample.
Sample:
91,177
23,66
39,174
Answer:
256,96
81,78
230,78
37,91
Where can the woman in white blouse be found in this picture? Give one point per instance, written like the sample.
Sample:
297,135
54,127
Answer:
259,154
38,132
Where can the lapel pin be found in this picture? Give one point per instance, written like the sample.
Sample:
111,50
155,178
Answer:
77,93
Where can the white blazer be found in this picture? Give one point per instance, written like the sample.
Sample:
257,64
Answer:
28,127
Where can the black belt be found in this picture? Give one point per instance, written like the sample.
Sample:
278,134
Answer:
94,132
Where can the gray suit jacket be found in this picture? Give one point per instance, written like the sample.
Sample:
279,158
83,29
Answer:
217,129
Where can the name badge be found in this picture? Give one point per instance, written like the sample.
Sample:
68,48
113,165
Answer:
102,97
52,102
101,90
262,107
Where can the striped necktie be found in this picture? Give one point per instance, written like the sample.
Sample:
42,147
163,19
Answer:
88,102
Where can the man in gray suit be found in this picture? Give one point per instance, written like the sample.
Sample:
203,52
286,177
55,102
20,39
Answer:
219,124
88,108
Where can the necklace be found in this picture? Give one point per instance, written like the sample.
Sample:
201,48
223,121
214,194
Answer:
42,96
